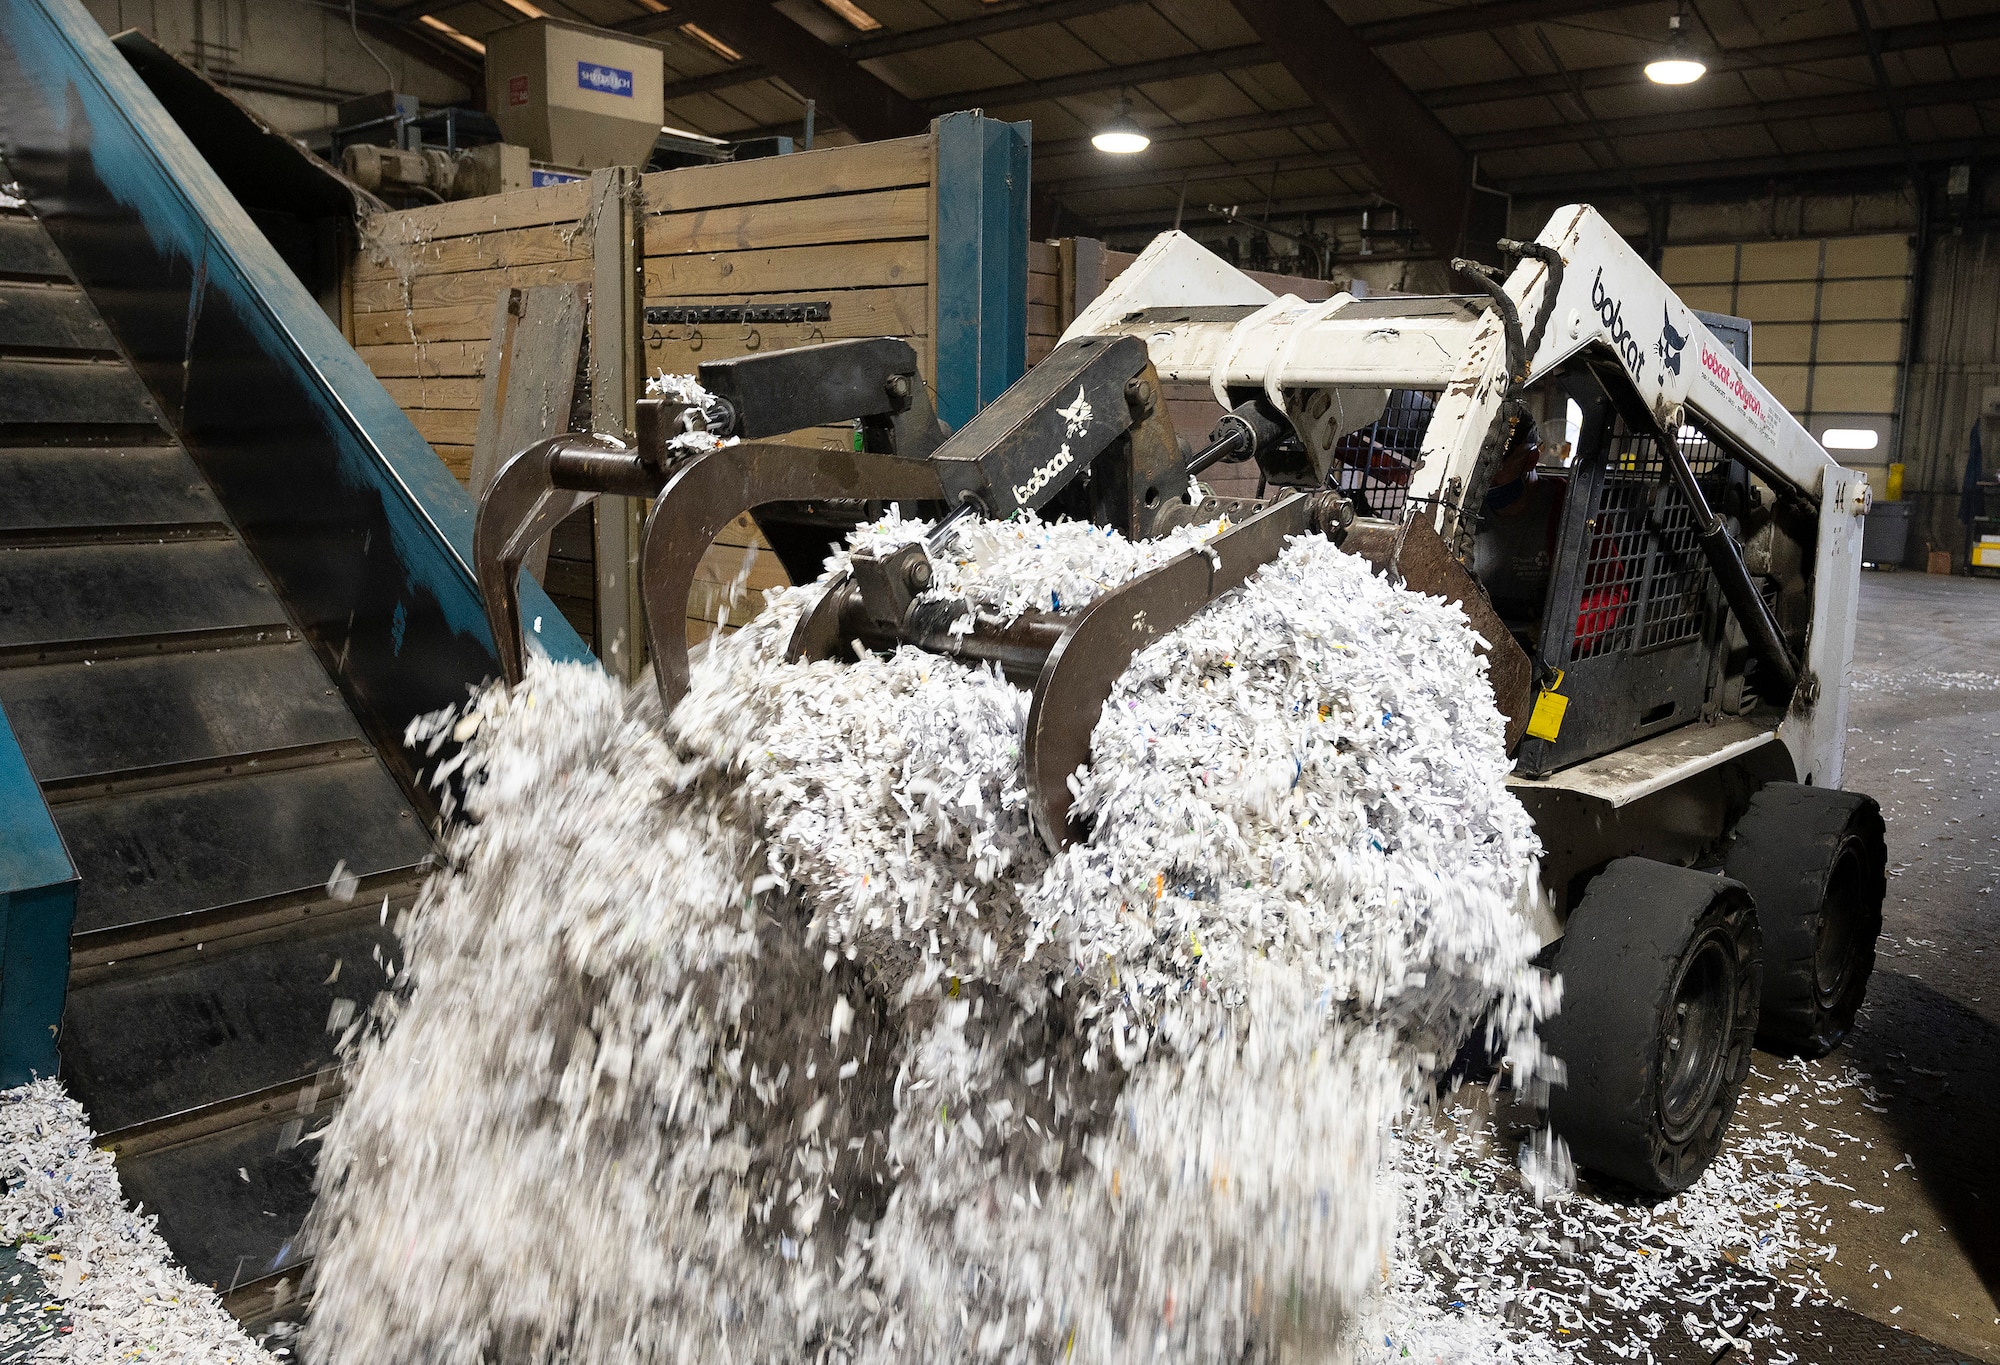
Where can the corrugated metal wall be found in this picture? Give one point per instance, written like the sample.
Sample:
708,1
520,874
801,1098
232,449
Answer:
289,62
1958,355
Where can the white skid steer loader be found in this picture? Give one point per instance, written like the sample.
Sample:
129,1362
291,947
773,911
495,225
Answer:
1669,597
1682,582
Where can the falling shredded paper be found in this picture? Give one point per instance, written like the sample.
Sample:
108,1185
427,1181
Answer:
771,1031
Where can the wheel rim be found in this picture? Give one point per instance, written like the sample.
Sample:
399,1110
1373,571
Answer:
1700,1018
1836,936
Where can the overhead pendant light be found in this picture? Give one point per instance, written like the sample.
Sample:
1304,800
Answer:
1122,136
1676,66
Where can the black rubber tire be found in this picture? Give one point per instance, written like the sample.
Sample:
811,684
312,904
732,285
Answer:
1649,1094
1815,860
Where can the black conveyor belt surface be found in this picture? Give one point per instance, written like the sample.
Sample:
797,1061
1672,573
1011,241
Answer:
208,777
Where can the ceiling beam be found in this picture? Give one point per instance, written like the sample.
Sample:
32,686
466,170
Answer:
1738,115
1107,78
907,40
1799,52
1557,134
1304,116
862,102
985,26
427,46
1890,95
1495,14
933,35
1904,38
1206,173
1475,18
851,95
1411,155
725,79
1887,157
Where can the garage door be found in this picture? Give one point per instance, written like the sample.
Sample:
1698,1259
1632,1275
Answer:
1830,317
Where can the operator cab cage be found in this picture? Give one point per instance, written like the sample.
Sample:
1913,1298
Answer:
1608,565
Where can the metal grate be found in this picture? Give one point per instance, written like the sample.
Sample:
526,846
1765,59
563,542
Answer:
1373,465
1646,585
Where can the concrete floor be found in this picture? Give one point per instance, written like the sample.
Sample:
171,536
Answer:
1924,740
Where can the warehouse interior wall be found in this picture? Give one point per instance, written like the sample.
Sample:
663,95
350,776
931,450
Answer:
292,61
1831,319
1873,310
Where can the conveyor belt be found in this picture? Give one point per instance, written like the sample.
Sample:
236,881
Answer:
207,776
231,574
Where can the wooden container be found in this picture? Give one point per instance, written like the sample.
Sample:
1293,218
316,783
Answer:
890,236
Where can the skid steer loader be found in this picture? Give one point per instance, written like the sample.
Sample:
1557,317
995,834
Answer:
1669,596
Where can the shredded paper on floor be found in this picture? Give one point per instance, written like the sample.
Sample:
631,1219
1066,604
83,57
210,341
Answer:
772,1032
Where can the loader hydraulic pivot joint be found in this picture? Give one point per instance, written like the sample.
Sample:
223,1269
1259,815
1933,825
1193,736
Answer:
1330,514
1245,432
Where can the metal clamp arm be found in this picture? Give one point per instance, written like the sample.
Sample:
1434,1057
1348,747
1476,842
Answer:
1097,647
530,496
703,496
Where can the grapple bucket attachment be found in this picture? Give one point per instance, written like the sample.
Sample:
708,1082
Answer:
1085,433
1097,646
1070,661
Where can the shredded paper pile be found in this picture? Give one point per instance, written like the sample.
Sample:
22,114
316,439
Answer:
770,1031
91,1279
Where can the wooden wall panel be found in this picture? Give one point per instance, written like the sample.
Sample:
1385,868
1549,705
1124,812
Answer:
1046,314
387,254
857,265
903,213
435,360
433,392
802,175
391,294
848,226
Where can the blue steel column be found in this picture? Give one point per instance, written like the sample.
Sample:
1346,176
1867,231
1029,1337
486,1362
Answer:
982,261
37,903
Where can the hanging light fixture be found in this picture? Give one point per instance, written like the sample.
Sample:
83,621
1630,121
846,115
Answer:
1122,136
1676,66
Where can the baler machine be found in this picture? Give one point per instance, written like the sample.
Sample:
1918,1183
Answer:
1670,609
